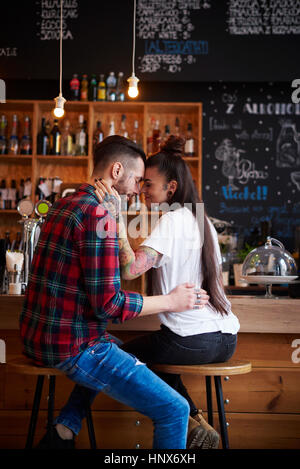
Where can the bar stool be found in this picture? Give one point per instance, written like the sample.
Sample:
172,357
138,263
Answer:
231,367
25,366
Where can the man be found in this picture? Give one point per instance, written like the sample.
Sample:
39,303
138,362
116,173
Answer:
74,289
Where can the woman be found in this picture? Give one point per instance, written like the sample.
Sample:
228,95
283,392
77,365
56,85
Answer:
174,249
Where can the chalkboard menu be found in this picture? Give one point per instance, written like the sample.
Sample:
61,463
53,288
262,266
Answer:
251,157
183,40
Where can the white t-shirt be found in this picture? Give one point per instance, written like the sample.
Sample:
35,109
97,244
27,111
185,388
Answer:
177,237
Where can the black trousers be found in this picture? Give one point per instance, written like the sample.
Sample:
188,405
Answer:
164,346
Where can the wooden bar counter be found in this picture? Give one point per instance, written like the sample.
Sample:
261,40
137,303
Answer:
263,407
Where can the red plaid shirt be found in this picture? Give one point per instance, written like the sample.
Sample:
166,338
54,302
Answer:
74,281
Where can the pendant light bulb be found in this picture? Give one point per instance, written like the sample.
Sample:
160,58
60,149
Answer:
59,106
133,90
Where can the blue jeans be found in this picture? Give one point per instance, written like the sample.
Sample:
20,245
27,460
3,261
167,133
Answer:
105,367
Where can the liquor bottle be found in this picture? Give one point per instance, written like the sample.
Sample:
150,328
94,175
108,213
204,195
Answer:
136,136
3,143
111,87
43,140
101,95
27,188
7,241
123,130
74,88
111,129
55,139
17,244
80,138
150,136
177,131
120,91
26,139
189,147
4,194
12,195
13,140
166,135
38,191
98,135
84,88
66,139
20,193
93,89
156,137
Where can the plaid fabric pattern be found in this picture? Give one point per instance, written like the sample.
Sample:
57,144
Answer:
74,281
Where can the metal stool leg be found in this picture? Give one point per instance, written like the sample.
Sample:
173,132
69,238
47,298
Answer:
34,412
51,398
209,401
90,425
221,411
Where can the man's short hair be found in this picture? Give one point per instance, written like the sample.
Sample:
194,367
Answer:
116,148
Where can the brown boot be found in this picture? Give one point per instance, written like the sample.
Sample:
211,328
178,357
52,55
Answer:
200,434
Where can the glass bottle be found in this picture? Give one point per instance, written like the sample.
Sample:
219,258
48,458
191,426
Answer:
26,138
177,131
111,129
166,135
55,139
3,143
111,87
136,136
80,138
101,91
4,194
43,140
7,241
13,140
98,135
27,188
93,89
12,195
189,147
74,88
66,139
84,88
156,137
150,136
20,193
123,130
120,91
17,244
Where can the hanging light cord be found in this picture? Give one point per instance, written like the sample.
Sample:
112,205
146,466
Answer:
60,49
133,45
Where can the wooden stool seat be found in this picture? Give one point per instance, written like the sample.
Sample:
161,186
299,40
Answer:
26,366
231,367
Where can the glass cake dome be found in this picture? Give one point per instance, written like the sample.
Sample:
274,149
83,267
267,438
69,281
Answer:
268,265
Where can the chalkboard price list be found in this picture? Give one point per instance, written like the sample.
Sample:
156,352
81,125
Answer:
166,30
48,19
262,17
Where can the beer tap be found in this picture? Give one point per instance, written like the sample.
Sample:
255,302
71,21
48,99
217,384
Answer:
31,229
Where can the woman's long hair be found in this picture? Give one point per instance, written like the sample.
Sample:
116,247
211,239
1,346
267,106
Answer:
170,163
